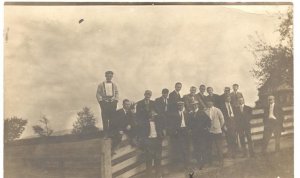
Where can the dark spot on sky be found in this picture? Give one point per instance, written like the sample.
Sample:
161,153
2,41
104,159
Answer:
81,20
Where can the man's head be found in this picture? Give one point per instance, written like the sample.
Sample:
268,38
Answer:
227,98
126,104
227,90
202,88
271,99
178,86
235,87
210,90
148,94
209,103
195,105
193,90
165,92
180,105
109,75
241,101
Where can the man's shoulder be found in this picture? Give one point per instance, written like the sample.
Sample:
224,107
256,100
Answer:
158,99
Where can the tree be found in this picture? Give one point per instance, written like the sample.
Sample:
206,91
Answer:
85,123
274,63
45,130
13,128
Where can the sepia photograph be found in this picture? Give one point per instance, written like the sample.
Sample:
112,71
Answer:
148,90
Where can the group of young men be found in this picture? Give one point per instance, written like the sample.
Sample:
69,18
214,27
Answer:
195,120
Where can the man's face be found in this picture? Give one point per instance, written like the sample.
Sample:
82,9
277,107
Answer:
178,87
126,105
109,77
241,101
165,95
210,91
180,107
210,104
148,95
202,89
227,91
271,100
193,91
195,107
235,87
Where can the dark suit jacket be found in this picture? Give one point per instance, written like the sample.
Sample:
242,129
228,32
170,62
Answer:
174,122
142,111
243,118
235,97
230,122
278,113
144,128
199,123
215,98
160,105
188,100
120,121
201,100
173,99
160,109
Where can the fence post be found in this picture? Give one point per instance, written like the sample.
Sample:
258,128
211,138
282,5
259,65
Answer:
106,159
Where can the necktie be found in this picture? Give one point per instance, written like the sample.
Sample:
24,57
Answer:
166,104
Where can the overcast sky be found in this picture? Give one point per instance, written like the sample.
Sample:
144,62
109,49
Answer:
53,64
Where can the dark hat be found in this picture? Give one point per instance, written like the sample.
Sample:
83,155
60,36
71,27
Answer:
109,72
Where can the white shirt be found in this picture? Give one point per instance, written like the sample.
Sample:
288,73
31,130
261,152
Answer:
271,112
182,119
229,109
108,89
242,108
153,133
166,102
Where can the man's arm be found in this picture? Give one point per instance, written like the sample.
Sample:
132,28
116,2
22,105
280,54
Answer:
99,93
221,117
116,96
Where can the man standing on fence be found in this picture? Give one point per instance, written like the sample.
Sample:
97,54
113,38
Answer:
213,97
174,97
161,106
107,96
273,123
235,95
200,97
244,115
189,99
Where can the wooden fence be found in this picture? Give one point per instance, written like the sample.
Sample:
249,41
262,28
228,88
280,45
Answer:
58,159
70,157
128,162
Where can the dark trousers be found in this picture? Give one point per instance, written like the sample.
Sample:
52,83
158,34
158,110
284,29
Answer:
179,147
107,111
152,148
244,131
271,126
201,147
231,136
215,139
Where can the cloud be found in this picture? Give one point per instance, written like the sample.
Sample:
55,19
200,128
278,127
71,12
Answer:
53,64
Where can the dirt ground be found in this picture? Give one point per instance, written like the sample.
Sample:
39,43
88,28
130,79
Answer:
272,165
